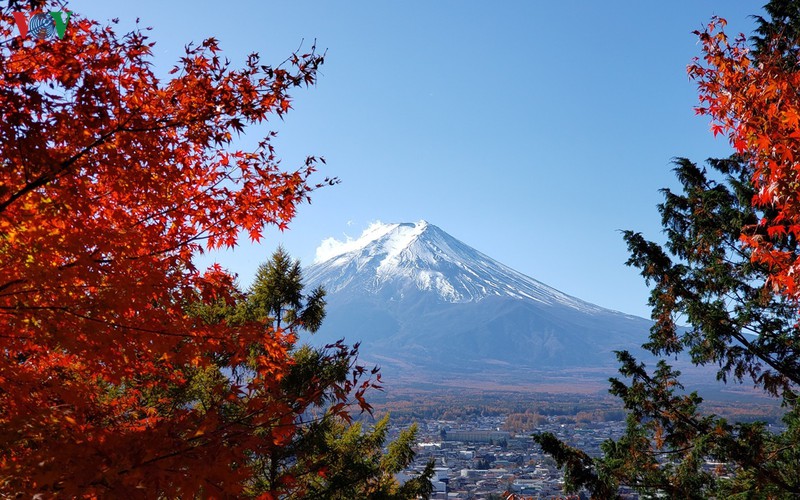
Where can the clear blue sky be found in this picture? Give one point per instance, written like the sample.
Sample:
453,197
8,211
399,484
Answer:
533,131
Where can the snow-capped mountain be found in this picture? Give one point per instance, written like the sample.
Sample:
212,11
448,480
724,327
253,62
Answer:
421,256
423,303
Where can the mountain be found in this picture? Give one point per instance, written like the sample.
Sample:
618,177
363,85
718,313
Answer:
430,309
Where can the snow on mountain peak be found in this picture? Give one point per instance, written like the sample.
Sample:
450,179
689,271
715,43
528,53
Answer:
398,258
331,247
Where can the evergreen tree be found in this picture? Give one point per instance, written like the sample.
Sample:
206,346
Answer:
277,296
706,277
323,454
359,467
737,321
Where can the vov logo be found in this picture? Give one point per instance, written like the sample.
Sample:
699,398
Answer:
43,25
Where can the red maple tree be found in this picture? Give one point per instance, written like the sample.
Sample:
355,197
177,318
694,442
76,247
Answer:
111,180
752,97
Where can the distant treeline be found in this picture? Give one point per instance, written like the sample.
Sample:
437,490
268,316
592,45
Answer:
525,411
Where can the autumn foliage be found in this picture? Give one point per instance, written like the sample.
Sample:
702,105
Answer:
110,181
750,93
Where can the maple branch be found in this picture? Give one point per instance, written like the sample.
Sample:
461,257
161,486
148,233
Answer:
11,283
60,268
46,178
122,326
177,206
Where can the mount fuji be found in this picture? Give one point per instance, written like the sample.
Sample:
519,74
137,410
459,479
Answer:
429,309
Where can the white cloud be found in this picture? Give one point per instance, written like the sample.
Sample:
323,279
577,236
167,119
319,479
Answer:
331,247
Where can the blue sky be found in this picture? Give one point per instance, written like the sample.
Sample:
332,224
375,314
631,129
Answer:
533,131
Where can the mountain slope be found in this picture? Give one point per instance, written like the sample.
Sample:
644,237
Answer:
428,307
395,257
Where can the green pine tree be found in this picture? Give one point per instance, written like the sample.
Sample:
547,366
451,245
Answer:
277,296
703,276
326,456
